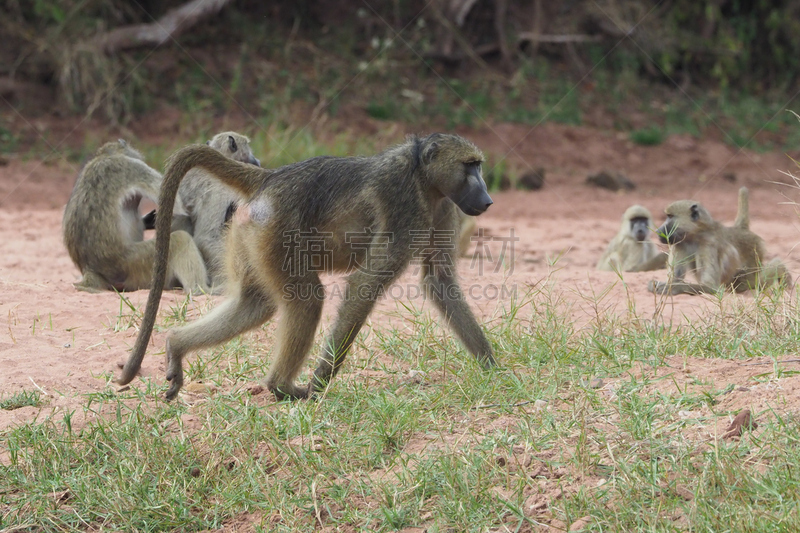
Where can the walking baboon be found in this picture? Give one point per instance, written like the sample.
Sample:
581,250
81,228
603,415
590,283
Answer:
631,250
369,216
104,232
211,204
720,257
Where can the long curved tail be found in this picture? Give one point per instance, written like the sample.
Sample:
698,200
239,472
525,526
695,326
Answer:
743,214
247,179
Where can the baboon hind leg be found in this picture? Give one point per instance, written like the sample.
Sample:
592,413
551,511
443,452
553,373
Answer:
234,316
771,273
184,264
139,259
775,272
296,330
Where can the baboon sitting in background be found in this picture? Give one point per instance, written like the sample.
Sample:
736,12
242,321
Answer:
369,216
631,249
211,204
720,257
103,230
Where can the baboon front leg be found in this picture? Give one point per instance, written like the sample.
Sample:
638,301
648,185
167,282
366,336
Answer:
361,293
296,330
678,287
654,263
92,282
442,287
236,315
186,264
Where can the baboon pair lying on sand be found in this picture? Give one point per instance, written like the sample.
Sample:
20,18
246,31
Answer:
104,232
720,257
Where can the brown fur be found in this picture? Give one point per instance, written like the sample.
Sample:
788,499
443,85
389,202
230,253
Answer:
104,233
721,257
743,212
398,195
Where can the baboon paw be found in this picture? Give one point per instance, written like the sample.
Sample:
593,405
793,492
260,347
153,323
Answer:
288,392
173,389
657,287
175,376
488,362
87,288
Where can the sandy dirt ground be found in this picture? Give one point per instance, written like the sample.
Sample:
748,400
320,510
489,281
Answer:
67,343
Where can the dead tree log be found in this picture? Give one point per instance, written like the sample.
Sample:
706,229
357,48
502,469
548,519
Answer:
173,23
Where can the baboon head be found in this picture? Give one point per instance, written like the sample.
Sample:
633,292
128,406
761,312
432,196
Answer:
685,219
453,164
636,222
234,146
121,147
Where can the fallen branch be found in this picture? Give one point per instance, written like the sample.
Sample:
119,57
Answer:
527,36
173,23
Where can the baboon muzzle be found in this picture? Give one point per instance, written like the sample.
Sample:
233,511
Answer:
472,197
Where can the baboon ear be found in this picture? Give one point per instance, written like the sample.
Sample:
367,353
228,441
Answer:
122,143
429,152
232,144
695,212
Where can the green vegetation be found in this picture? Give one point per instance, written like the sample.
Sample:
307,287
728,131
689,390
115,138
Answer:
8,140
727,70
30,398
451,448
647,136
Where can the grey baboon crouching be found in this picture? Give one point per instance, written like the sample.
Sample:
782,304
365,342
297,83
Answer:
210,204
103,230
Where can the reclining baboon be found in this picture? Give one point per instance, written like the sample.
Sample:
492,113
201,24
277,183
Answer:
720,257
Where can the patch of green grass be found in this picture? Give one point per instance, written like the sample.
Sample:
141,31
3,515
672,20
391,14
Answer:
383,111
496,172
651,136
8,140
26,398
